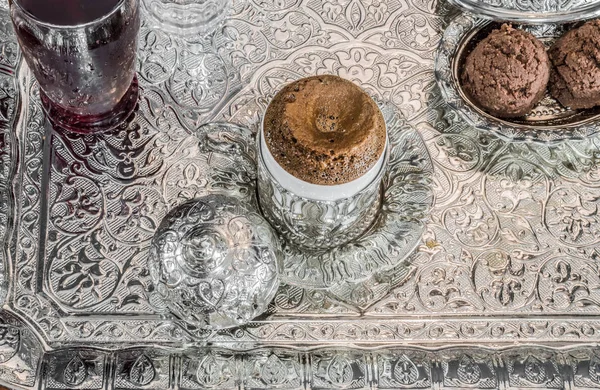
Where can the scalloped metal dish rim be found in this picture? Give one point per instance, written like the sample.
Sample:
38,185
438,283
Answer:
497,13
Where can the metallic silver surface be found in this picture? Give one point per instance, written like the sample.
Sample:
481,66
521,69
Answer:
186,17
532,11
392,235
502,291
215,262
315,225
549,121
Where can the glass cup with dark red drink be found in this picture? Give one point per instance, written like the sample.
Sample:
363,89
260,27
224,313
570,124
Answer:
83,55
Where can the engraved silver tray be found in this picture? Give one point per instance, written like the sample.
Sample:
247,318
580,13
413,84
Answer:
503,290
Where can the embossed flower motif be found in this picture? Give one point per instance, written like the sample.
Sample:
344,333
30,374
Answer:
507,277
85,276
443,289
239,44
516,186
358,64
566,284
290,31
459,153
576,218
362,295
154,56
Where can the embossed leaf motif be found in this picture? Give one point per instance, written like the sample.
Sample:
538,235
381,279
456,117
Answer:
340,371
75,371
405,371
150,41
468,371
514,172
9,342
355,13
568,286
443,287
332,10
507,277
231,33
157,57
274,371
575,215
504,291
142,371
191,174
535,371
85,274
564,272
594,369
378,10
210,372
212,292
458,153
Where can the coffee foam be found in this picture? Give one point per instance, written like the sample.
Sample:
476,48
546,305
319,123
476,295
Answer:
324,130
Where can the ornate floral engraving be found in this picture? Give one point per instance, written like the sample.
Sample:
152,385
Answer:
146,369
533,370
404,369
209,370
338,370
76,370
273,370
20,353
509,253
469,369
585,368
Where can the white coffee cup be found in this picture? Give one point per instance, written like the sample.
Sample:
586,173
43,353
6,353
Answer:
317,191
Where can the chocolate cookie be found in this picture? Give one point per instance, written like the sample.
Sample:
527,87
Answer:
575,79
507,73
324,130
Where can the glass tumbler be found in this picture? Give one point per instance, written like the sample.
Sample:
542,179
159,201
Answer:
83,55
317,217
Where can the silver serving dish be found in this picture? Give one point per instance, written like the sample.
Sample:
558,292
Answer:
501,291
532,11
549,121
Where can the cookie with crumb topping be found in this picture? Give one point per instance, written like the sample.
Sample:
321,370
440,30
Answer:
507,73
